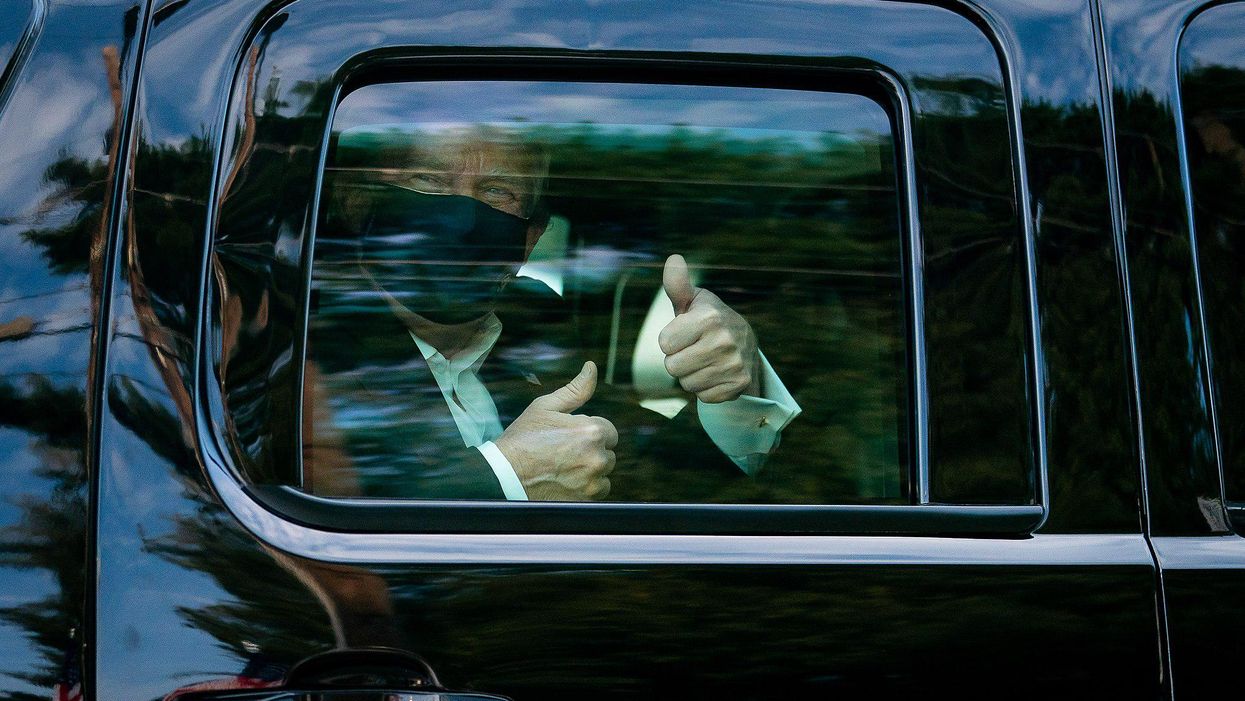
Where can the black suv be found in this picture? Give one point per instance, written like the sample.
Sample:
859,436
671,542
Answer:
380,349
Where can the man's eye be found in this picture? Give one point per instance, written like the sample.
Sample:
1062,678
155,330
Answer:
499,194
428,182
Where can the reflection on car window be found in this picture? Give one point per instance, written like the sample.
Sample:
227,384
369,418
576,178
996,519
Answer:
1212,91
583,291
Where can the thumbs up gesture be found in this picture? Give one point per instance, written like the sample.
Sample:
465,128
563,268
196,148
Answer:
710,349
557,455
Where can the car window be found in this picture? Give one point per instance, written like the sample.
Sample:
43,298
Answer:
1212,95
442,286
729,261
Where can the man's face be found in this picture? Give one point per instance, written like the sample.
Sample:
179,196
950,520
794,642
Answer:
483,164
452,227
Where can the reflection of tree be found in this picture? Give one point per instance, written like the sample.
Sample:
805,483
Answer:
50,535
780,205
1214,111
269,612
790,230
1084,353
84,184
860,333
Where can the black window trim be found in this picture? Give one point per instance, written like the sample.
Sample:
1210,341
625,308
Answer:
412,516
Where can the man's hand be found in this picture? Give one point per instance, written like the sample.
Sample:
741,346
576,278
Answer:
560,456
710,349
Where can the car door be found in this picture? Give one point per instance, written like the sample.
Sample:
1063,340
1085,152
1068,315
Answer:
953,509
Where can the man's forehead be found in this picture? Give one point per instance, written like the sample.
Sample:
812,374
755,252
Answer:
476,150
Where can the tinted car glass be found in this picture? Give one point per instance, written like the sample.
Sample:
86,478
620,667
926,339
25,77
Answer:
784,202
1212,92
968,416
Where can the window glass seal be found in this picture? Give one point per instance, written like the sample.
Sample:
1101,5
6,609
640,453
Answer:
411,516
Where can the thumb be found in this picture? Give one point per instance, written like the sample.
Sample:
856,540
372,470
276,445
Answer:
677,282
573,394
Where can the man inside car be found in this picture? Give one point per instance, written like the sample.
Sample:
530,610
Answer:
448,376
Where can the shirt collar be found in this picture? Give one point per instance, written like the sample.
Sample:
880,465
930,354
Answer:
473,354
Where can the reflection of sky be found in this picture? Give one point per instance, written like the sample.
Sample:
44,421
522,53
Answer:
1215,38
14,15
139,592
59,107
16,653
610,103
318,37
1143,36
181,96
634,135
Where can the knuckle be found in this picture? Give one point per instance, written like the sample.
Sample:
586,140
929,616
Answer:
664,342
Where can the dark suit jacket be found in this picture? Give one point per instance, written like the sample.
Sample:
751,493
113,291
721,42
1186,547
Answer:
388,415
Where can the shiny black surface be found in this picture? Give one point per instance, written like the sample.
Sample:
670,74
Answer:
220,605
1183,264
187,594
67,74
1176,427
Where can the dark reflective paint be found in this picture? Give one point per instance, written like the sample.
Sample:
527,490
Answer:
187,595
59,134
1091,448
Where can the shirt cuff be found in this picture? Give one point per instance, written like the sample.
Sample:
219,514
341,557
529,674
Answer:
748,428
510,484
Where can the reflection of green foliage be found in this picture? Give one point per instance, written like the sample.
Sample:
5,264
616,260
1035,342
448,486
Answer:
819,219
1214,113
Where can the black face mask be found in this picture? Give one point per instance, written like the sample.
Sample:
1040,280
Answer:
446,257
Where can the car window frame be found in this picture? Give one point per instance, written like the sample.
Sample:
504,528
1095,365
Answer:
459,516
